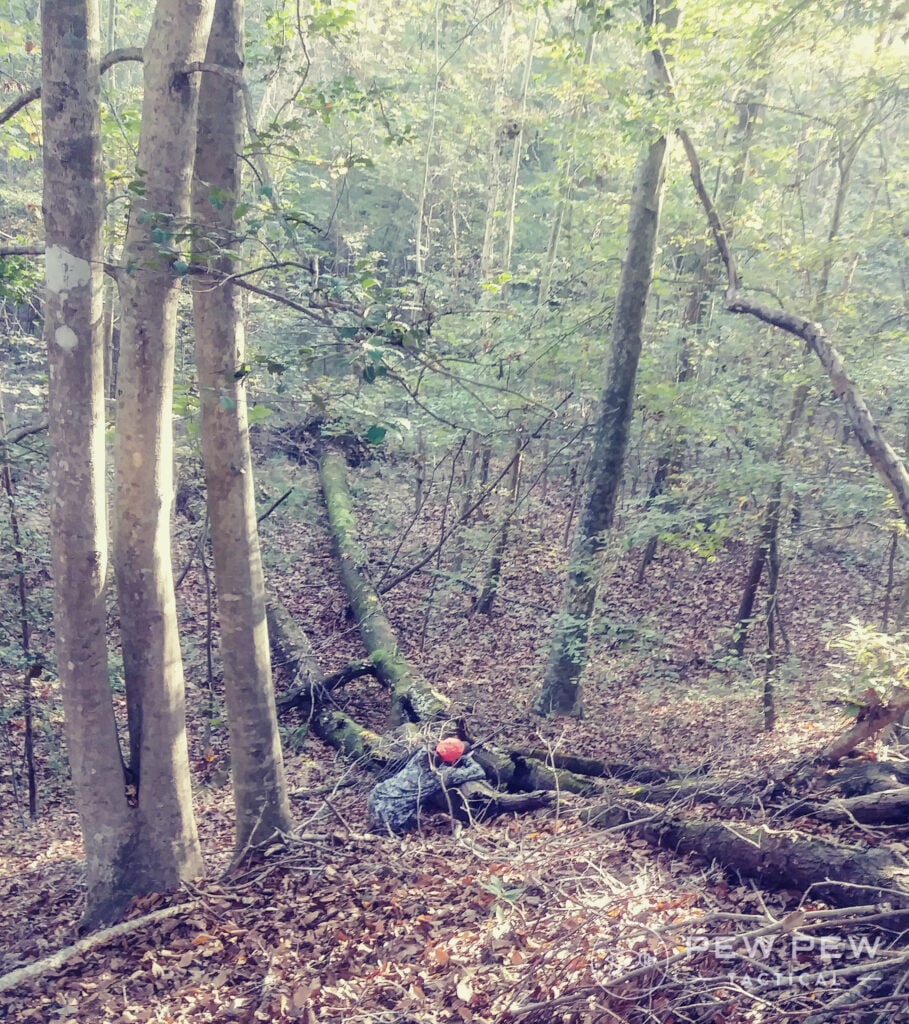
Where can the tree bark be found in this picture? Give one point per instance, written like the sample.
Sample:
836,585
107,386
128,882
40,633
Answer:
483,604
842,875
167,850
561,692
73,217
257,766
413,699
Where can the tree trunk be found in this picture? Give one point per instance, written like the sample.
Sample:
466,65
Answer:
490,588
167,850
257,767
413,699
73,216
568,653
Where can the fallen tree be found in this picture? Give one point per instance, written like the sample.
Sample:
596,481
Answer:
413,698
643,800
840,874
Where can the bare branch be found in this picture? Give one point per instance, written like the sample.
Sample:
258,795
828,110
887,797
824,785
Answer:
126,53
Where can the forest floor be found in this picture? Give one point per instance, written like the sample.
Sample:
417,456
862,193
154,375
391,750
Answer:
500,922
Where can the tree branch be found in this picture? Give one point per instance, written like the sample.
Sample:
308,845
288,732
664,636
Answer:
126,53
884,458
90,942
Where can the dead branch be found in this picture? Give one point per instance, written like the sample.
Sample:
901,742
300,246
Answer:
871,720
884,458
91,942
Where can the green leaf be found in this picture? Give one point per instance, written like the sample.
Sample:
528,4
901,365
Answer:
227,402
376,434
258,413
181,267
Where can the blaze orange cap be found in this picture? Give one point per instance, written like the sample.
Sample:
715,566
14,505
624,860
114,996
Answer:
450,749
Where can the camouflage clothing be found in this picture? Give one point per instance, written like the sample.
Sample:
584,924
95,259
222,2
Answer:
395,803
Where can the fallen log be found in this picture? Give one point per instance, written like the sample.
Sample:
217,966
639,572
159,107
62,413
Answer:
872,719
293,653
890,806
597,769
834,872
413,698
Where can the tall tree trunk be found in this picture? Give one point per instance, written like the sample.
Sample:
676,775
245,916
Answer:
168,849
421,237
568,653
73,214
257,767
517,150
488,264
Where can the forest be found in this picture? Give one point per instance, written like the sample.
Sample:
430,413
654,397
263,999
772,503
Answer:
455,530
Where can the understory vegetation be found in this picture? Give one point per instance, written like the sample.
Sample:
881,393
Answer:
548,362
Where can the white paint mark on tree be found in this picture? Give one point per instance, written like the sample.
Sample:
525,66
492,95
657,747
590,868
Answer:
66,338
65,271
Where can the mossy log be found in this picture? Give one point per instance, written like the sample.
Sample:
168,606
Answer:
598,769
413,698
294,654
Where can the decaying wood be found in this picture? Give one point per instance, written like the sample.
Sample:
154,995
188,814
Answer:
597,769
47,964
871,720
294,654
839,874
413,698
888,806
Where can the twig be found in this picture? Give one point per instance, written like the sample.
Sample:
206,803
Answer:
274,505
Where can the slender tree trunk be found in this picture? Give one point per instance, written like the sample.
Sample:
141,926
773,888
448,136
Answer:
568,653
73,215
490,588
257,767
488,265
555,232
421,239
167,851
770,526
517,150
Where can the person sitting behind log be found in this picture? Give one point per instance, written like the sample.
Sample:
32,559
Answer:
423,782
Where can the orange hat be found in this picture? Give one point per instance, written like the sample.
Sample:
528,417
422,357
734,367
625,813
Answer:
450,749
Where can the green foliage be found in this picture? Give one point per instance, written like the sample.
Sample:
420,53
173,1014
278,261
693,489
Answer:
19,278
873,660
